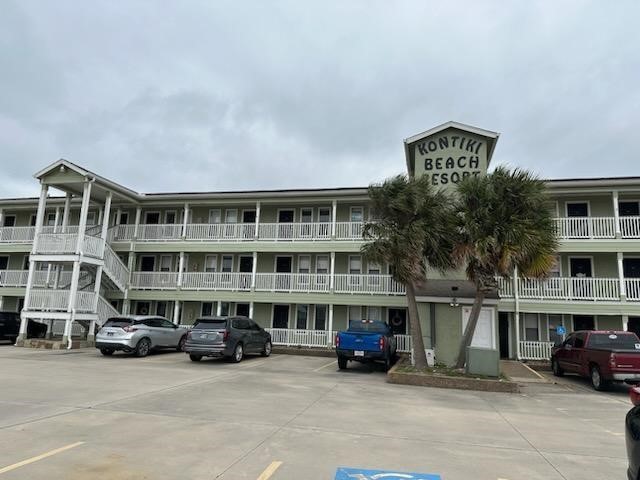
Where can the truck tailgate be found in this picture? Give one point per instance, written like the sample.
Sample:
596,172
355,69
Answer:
365,341
627,360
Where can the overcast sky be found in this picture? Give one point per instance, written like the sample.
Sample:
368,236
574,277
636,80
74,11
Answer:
229,95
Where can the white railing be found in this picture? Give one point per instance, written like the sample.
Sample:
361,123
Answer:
57,243
105,311
119,233
217,232
630,227
403,344
115,268
535,350
154,280
216,281
48,299
295,231
586,227
14,278
633,288
161,232
563,288
91,246
292,282
349,230
301,338
85,302
368,284
17,234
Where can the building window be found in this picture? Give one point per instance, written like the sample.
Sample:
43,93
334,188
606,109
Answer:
207,309
324,215
243,309
161,309
91,218
225,308
306,215
531,327
51,219
357,214
355,265
9,221
165,263
374,313
227,263
322,264
304,264
554,321
170,217
355,313
211,263
231,216
215,216
124,218
321,317
302,314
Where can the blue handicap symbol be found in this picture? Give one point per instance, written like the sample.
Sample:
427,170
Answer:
344,473
560,330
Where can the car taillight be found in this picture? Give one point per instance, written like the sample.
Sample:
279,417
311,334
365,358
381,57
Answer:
337,340
634,395
612,360
381,343
225,335
129,329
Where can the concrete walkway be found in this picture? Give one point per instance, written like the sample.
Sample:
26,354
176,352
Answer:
519,372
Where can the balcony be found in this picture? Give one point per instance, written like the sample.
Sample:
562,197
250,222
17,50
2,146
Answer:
18,278
58,300
573,228
570,289
65,244
238,232
268,282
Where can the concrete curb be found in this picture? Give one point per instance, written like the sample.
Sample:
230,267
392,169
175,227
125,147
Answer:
310,352
444,381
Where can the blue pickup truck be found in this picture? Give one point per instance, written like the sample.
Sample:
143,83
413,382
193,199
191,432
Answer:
366,341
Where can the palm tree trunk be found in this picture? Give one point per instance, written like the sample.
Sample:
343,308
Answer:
419,356
467,337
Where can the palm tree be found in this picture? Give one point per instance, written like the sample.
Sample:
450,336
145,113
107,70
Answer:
504,223
413,229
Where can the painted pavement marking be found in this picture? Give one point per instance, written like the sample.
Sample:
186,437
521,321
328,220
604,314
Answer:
343,473
270,470
325,366
39,457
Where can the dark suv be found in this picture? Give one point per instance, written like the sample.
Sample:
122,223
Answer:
10,327
229,337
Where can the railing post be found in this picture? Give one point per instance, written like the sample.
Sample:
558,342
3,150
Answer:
185,220
334,206
136,226
623,285
180,270
257,233
65,211
332,272
330,326
254,270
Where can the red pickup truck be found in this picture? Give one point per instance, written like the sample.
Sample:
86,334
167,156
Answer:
603,356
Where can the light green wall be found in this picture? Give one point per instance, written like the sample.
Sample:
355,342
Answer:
599,205
448,333
604,265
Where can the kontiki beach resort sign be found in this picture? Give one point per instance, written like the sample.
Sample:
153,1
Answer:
449,153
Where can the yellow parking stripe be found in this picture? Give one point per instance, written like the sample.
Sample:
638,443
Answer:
39,457
270,470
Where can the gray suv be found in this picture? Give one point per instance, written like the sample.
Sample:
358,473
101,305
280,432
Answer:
229,337
139,334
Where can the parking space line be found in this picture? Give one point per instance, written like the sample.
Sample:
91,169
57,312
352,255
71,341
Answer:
39,457
270,470
325,366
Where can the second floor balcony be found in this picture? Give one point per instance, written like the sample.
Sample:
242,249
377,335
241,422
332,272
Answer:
598,227
571,289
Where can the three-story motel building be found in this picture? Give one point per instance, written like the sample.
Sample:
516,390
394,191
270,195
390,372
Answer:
88,248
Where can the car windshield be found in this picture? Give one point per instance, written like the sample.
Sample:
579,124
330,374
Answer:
367,326
118,322
211,325
622,341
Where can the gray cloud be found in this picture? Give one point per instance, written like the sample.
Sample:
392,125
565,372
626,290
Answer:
238,95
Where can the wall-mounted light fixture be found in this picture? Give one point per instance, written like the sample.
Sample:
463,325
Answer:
454,300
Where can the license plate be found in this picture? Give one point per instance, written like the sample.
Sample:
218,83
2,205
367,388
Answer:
203,335
110,334
359,353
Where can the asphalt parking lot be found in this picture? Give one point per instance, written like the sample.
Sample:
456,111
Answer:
78,415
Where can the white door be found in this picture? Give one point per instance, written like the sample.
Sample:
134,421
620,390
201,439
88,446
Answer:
484,336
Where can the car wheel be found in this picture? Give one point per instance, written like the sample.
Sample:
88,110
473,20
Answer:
195,358
555,366
387,364
238,353
181,343
342,363
266,351
106,352
143,348
597,381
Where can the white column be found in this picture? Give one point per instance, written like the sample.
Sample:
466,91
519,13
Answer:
107,213
185,220
66,211
118,216
1,217
137,224
625,323
56,221
1,301
176,312
332,272
126,306
251,309
71,308
102,216
623,285
254,270
42,205
516,297
257,234
180,269
330,326
334,204
219,308
616,213
84,211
